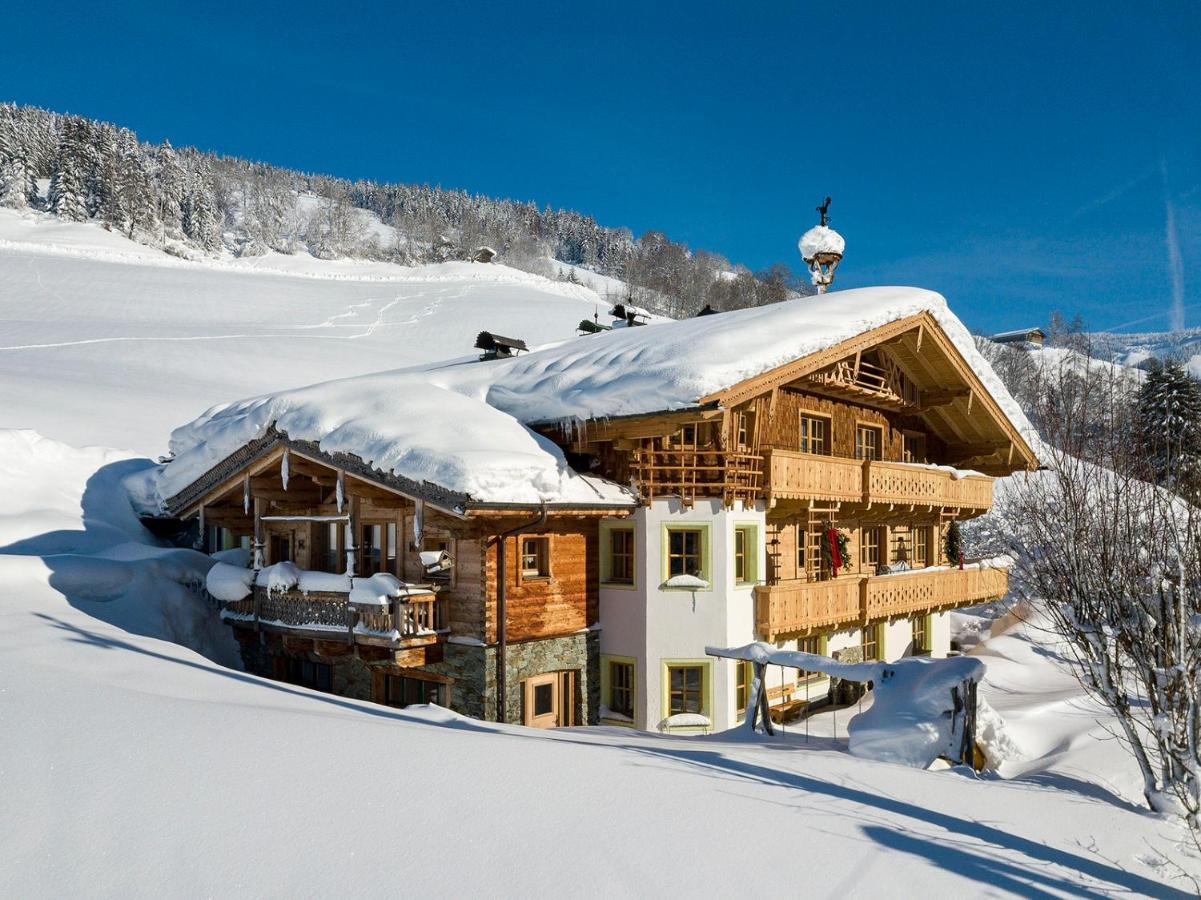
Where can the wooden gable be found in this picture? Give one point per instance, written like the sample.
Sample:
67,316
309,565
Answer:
911,367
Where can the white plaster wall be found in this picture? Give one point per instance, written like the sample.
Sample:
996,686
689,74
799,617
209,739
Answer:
898,638
940,634
653,624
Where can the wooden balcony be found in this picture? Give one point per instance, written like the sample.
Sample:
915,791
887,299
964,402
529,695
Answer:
790,608
689,473
328,615
807,477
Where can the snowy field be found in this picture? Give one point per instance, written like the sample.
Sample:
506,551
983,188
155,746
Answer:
134,761
103,341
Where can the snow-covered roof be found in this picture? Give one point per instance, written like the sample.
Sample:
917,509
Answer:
820,239
462,425
1019,333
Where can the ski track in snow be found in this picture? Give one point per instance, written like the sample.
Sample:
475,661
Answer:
352,311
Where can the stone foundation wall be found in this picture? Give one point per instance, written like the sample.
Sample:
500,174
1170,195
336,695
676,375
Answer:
473,668
474,671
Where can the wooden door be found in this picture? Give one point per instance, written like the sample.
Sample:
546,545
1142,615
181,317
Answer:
281,547
542,701
549,700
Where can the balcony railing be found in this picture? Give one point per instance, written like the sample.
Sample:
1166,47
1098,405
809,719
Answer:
688,473
806,476
403,620
796,607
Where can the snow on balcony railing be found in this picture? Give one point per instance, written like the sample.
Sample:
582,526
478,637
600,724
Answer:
285,596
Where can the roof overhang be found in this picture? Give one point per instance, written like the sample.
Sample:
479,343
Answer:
926,332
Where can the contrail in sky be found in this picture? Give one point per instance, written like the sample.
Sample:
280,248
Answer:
1175,262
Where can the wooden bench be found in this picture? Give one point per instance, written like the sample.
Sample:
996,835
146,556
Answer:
783,702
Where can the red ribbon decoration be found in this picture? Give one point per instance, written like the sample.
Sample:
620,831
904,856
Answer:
835,556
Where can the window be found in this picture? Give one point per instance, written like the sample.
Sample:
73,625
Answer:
814,435
914,447
280,547
921,635
327,553
377,548
621,556
442,544
743,676
621,688
400,690
319,676
746,554
746,429
869,548
868,441
535,557
816,644
921,546
685,689
685,552
872,643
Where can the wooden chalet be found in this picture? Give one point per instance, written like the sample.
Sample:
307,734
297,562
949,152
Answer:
464,567
742,506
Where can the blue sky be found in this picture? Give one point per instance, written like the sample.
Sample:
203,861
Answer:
1017,157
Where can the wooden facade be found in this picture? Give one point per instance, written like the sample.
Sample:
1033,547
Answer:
867,438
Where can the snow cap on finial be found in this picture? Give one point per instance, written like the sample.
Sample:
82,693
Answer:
821,247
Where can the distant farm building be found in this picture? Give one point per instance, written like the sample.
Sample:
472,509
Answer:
1021,336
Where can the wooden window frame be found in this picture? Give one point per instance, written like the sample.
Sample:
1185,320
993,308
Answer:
608,660
862,426
821,649
744,429
296,663
608,530
543,554
439,537
922,539
905,436
879,544
441,688
925,647
744,676
321,549
827,422
706,544
876,630
749,534
700,690
388,564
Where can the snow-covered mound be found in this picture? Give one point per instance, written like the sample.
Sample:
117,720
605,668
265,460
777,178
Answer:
460,426
66,524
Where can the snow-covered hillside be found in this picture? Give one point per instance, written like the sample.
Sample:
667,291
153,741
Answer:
109,342
137,759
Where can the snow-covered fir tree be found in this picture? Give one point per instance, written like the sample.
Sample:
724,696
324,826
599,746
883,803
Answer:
67,198
1169,425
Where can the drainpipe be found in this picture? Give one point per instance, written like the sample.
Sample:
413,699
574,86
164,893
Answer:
501,635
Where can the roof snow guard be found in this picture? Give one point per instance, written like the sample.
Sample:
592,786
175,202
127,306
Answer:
496,346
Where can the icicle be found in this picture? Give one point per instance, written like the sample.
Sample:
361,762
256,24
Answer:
418,524
350,550
339,493
283,469
246,494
